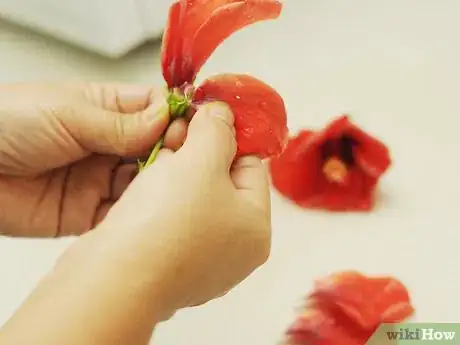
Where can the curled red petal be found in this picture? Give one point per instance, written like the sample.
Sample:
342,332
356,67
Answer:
346,308
313,326
195,14
260,114
226,20
349,291
368,301
171,57
198,12
321,324
298,173
195,29
372,155
294,173
356,195
393,290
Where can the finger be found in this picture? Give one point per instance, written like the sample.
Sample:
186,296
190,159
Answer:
106,132
175,135
146,155
121,179
86,184
162,156
250,177
123,98
102,211
211,138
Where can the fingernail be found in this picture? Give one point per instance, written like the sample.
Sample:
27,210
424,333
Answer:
222,111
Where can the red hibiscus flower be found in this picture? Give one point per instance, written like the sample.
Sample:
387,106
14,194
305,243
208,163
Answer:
347,308
194,30
335,169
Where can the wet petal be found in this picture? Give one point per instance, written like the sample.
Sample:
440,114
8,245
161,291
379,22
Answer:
260,114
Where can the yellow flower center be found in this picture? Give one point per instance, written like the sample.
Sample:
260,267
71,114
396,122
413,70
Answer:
335,170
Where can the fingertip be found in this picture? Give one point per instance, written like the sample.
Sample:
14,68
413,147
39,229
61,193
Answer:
211,132
176,134
155,120
218,110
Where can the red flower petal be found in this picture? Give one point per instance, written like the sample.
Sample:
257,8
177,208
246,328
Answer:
393,290
195,28
194,14
198,11
298,172
237,16
331,319
372,155
297,175
260,114
356,195
323,325
367,301
295,172
172,44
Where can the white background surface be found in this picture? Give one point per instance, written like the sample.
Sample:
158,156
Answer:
108,28
394,66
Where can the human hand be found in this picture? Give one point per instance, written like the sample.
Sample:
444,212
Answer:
193,224
61,150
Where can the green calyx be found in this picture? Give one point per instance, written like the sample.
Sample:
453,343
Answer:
178,105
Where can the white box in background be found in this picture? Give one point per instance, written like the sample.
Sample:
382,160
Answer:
108,27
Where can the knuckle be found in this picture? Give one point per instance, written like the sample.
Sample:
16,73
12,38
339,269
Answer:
248,162
119,133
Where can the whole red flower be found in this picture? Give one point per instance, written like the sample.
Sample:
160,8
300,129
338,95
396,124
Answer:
347,308
194,30
336,168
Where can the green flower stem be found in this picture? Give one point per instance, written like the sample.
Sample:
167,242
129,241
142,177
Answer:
178,105
153,155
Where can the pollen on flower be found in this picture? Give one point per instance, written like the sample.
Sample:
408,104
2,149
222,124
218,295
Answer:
335,170
309,313
304,174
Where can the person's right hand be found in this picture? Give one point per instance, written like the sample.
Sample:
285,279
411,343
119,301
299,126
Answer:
193,224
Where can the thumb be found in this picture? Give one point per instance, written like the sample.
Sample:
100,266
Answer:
211,137
250,177
108,132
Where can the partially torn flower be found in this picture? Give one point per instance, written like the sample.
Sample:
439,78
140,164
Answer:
194,30
336,168
347,308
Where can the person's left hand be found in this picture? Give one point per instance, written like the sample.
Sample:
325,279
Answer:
62,150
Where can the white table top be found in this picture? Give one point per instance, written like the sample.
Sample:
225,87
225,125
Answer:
394,65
